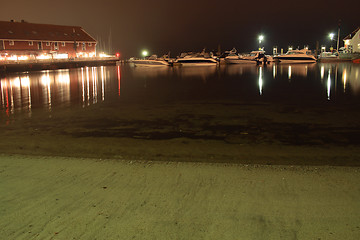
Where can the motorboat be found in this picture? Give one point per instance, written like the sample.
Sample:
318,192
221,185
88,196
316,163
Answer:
296,56
258,56
231,57
152,61
196,59
328,57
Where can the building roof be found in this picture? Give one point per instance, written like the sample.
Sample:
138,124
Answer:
351,35
45,32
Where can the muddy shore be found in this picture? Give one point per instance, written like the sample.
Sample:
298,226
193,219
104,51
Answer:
233,132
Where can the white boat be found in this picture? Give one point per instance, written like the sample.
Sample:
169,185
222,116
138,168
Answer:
197,59
236,59
258,56
296,56
328,57
152,61
231,57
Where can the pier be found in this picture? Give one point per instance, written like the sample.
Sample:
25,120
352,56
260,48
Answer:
38,65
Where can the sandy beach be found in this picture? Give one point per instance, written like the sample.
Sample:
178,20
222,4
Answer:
220,170
86,198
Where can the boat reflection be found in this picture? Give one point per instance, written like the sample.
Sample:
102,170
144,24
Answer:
150,72
343,76
201,72
292,70
239,69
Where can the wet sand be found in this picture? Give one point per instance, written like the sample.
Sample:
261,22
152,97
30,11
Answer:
232,132
77,198
186,171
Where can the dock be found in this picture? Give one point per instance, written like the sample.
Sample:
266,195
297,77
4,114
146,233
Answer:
38,65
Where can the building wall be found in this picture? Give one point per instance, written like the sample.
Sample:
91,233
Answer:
41,47
353,43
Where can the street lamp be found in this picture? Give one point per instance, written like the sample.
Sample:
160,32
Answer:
261,38
331,36
144,53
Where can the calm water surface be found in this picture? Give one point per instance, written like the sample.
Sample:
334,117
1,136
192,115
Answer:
73,88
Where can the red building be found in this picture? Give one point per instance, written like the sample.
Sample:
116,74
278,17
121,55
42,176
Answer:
30,40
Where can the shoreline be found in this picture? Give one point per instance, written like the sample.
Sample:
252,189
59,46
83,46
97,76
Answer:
268,134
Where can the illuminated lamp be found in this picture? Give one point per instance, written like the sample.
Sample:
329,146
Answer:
144,53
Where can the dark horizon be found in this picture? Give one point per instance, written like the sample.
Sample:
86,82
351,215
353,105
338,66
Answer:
162,26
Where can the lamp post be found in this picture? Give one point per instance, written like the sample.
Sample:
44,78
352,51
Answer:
261,38
331,36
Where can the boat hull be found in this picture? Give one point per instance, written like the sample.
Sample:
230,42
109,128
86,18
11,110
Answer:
295,60
356,60
150,63
196,62
239,61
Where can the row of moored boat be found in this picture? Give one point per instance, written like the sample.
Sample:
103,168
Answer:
229,57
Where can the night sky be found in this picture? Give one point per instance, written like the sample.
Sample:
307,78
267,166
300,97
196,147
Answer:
179,26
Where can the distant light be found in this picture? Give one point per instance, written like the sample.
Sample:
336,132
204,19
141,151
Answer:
117,55
144,53
261,37
23,57
61,56
331,36
43,56
104,55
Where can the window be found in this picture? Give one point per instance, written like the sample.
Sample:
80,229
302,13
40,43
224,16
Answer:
56,45
90,44
83,46
63,44
40,45
11,43
358,45
31,43
77,44
47,43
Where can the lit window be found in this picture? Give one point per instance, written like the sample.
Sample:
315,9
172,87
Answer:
358,45
11,43
63,44
31,43
83,46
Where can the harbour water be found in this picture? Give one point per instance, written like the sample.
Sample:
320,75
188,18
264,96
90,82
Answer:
121,85
304,114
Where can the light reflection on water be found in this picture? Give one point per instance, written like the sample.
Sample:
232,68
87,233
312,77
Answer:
91,85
